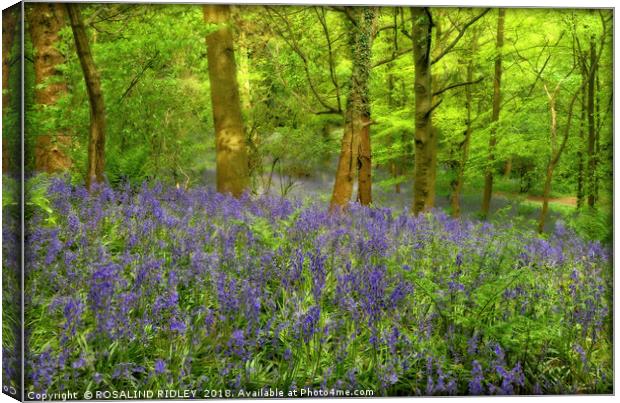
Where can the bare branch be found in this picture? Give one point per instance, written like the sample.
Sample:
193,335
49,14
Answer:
448,48
332,72
441,91
395,56
292,43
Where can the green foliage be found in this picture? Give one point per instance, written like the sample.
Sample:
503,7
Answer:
294,68
594,224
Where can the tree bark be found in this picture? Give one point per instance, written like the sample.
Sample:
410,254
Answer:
597,148
45,20
232,171
488,178
455,196
508,167
96,138
9,26
364,184
355,152
436,82
580,156
590,189
546,193
424,134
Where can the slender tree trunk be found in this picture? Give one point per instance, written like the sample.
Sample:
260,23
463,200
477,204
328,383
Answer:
424,134
556,149
552,158
546,193
231,146
580,156
395,174
591,125
9,26
508,167
597,148
488,178
355,153
395,164
96,138
436,82
455,197
45,20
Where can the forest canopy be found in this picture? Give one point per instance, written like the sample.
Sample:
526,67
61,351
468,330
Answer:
429,107
451,99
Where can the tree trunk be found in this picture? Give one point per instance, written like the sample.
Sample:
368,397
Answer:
244,73
394,164
45,20
580,156
508,168
363,55
364,184
437,82
96,138
455,197
546,193
488,178
355,152
232,170
556,150
591,126
424,134
343,185
597,125
9,25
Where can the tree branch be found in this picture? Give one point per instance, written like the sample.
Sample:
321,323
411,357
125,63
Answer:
448,48
135,80
292,43
432,108
457,85
395,56
332,72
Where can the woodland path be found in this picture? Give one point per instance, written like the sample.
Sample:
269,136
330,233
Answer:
566,201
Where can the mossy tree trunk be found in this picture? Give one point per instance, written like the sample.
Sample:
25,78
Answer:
424,133
232,170
9,27
45,20
96,138
355,151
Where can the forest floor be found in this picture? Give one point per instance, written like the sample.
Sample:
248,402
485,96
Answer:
318,187
566,200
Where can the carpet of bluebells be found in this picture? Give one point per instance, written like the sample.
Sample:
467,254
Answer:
154,287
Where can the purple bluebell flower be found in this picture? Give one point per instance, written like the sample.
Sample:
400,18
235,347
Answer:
160,366
477,377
